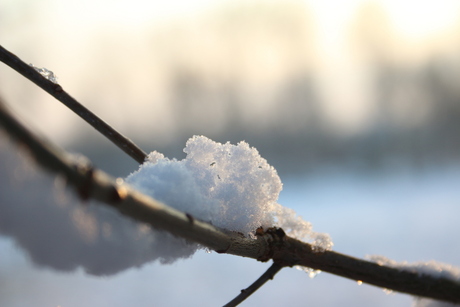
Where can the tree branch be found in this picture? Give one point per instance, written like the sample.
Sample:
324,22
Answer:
245,293
95,184
272,244
57,92
293,252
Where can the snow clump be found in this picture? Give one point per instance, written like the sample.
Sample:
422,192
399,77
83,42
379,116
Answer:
230,186
48,74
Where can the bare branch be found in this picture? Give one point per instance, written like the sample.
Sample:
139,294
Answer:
57,92
245,293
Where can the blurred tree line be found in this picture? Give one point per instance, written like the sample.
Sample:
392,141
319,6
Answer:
250,72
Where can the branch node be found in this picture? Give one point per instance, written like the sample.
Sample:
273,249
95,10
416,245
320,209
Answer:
84,190
275,238
119,194
57,89
190,218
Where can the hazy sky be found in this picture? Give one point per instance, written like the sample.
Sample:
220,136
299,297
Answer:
122,58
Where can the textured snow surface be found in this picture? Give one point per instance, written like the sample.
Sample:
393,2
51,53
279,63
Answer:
231,186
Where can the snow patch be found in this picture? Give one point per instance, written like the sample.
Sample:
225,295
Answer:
431,268
230,186
48,74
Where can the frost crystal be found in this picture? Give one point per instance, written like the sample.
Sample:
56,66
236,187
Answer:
312,273
230,186
48,74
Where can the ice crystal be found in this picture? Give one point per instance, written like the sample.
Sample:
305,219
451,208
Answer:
48,74
312,273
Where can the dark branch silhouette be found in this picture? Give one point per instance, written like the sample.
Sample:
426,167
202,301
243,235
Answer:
57,92
245,293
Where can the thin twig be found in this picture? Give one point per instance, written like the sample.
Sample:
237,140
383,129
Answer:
245,293
57,92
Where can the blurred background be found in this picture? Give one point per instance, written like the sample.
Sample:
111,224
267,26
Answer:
356,104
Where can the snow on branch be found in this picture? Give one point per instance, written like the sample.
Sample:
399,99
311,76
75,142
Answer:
95,184
222,184
229,186
268,244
